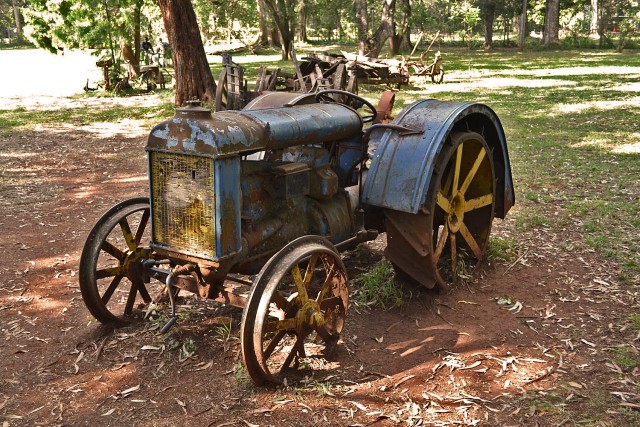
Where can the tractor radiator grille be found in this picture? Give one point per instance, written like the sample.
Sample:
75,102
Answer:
182,202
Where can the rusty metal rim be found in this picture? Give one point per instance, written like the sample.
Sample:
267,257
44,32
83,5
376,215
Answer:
127,261
264,289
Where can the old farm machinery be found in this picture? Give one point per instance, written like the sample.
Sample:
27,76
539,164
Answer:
251,208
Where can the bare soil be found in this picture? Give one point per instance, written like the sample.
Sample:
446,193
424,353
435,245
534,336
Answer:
530,342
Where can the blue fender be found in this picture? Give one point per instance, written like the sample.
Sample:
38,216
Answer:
402,165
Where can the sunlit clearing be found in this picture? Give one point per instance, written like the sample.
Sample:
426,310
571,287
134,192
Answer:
633,148
471,84
598,105
574,71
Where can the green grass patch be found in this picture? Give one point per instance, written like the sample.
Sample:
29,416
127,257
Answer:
23,118
502,249
626,358
378,287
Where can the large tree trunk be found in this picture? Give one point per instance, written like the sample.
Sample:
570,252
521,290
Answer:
489,17
552,24
522,31
136,34
263,37
593,27
374,44
192,72
16,16
400,39
362,23
280,13
302,22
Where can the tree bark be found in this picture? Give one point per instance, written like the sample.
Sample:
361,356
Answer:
593,27
552,24
16,15
522,31
489,18
192,72
136,34
362,23
302,22
374,44
263,37
400,39
280,12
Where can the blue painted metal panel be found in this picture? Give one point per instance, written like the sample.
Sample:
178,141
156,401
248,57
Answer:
228,199
195,130
402,166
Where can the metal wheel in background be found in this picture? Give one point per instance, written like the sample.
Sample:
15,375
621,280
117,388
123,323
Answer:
295,311
112,280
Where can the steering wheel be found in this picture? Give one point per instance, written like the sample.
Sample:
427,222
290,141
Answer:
323,96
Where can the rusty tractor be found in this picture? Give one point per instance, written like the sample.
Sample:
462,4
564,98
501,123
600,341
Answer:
251,208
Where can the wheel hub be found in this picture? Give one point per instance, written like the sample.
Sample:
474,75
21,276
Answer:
455,217
310,316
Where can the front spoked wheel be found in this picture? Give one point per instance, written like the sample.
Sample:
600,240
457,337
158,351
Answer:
295,311
112,279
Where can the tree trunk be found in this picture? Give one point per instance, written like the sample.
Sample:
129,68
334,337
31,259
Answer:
400,39
593,27
489,17
552,24
192,72
302,22
362,23
16,16
136,34
373,45
280,13
522,31
263,37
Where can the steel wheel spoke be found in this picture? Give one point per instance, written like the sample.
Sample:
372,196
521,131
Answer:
131,299
109,272
327,283
126,232
112,250
443,202
454,256
473,171
310,268
280,325
294,351
471,241
456,171
111,289
272,344
141,227
297,278
279,300
143,292
441,243
478,202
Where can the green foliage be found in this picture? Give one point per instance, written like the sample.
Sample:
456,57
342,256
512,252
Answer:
502,249
626,358
634,320
378,287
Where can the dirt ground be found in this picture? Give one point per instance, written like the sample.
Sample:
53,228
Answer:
525,343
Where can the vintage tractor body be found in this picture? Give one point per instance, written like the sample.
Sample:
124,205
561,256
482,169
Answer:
251,207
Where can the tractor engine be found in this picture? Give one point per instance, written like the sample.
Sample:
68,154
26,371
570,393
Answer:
229,189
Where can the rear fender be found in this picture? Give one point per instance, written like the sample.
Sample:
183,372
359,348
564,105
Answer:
402,165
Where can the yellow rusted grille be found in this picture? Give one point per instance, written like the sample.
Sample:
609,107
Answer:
183,203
